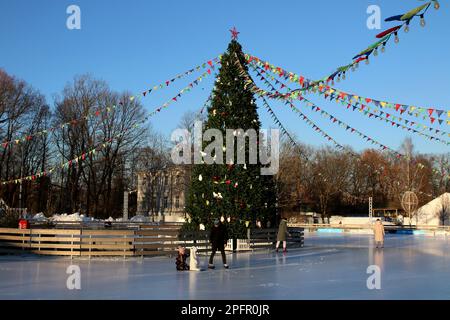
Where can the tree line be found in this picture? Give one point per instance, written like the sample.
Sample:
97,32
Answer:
323,180
330,181
86,115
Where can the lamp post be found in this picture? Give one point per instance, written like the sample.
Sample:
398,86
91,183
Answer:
21,175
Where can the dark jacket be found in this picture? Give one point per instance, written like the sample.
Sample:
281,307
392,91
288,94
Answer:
218,236
181,262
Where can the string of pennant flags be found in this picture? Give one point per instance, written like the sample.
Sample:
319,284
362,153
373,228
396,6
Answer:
372,113
254,88
363,107
277,121
435,115
383,39
102,145
332,118
209,63
367,112
99,113
315,108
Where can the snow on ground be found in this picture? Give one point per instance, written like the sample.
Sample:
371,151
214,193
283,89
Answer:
328,267
75,217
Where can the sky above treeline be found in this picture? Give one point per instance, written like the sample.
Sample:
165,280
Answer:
134,45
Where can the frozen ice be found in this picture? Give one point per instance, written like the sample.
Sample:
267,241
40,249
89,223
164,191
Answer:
330,266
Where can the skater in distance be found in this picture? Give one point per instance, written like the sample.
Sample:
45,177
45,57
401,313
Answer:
378,231
281,236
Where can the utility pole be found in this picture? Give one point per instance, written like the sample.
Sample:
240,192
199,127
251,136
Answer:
125,205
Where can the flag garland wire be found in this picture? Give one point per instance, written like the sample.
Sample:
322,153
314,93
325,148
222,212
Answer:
98,113
305,83
254,88
334,119
384,37
379,117
92,151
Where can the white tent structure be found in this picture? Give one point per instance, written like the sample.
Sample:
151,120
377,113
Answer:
435,212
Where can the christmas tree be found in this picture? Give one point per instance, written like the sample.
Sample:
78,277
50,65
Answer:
235,193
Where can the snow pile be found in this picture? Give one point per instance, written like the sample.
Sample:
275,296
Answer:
139,218
39,217
75,217
436,212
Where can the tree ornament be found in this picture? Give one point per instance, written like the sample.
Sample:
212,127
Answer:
222,219
383,48
247,223
396,39
407,27
207,202
202,227
245,166
229,219
200,178
236,185
375,52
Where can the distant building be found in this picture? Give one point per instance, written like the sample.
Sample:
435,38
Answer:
161,195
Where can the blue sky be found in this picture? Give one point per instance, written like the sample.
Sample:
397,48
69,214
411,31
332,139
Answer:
134,45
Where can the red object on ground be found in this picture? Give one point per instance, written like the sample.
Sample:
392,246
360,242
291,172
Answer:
24,224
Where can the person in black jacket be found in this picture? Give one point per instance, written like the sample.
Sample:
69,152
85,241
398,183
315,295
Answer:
181,259
218,239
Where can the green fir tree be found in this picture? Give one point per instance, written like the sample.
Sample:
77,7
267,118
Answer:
236,192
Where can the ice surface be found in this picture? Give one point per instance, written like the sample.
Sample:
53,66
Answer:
328,267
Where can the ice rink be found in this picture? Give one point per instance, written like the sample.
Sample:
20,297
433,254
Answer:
328,267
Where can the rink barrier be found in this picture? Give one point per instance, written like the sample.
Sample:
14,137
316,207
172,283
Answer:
266,238
419,230
146,241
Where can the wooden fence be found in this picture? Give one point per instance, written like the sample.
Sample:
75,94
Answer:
148,240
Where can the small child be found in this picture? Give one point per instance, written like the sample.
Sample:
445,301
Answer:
181,259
